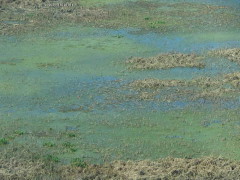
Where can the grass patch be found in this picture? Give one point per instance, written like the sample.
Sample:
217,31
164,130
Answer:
78,162
68,145
71,135
49,144
19,132
231,54
52,158
4,141
166,61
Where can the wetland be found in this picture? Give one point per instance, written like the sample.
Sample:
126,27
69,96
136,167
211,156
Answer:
138,89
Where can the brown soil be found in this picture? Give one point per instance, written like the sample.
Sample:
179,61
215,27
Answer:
165,61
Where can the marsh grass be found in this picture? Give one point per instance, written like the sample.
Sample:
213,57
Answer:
233,79
49,144
71,135
19,132
165,17
165,61
203,87
233,54
27,166
51,161
3,141
78,162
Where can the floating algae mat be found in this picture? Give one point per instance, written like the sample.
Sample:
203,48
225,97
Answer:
91,92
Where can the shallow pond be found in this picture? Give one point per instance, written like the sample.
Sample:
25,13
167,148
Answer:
65,86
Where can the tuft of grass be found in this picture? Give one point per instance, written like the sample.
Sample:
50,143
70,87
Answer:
156,24
49,144
119,36
52,158
153,26
19,132
4,141
72,149
68,145
161,22
78,162
71,135
11,137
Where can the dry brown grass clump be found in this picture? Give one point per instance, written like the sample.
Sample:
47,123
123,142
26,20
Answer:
36,15
204,87
20,169
213,93
156,83
233,79
28,167
165,61
168,168
206,82
232,54
182,169
213,87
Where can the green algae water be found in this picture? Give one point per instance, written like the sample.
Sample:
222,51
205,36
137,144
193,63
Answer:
63,93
